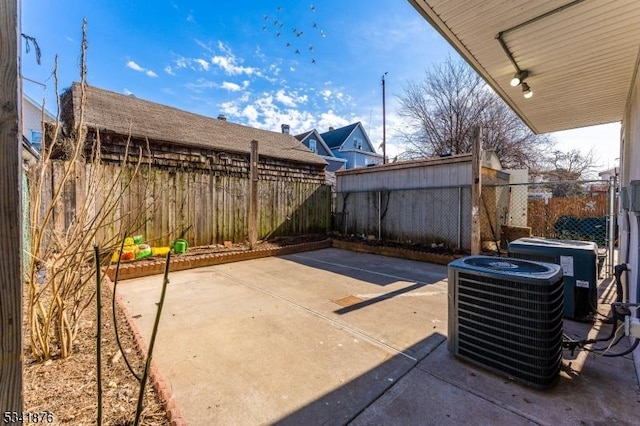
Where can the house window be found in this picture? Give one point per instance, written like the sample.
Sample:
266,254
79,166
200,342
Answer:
36,139
357,143
312,145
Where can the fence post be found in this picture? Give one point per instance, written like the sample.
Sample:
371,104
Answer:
11,277
612,228
459,218
379,214
253,195
476,187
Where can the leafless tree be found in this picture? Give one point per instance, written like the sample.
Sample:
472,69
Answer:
565,169
443,109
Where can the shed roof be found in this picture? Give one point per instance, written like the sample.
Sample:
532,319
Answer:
128,115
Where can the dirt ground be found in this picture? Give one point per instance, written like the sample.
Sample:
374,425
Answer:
67,388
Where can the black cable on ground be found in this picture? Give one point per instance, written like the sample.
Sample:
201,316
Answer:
113,313
627,352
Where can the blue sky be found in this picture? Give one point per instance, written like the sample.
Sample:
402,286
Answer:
310,64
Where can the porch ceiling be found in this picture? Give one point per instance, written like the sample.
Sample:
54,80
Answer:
581,60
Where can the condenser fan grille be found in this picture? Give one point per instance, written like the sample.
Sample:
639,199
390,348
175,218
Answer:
509,324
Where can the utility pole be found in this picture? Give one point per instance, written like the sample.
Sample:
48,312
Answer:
384,122
11,277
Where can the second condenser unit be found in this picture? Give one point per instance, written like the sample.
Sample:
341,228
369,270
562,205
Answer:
579,262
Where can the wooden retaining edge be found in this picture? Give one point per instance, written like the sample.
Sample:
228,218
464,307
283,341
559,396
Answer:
441,259
180,263
160,385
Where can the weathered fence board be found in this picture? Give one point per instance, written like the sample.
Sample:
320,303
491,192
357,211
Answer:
161,204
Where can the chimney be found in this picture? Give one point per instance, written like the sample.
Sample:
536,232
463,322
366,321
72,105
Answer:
285,129
331,128
222,117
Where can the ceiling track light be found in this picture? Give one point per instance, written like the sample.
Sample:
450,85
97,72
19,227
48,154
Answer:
526,90
519,77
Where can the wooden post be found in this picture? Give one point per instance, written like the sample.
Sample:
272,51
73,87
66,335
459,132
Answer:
253,195
10,211
476,188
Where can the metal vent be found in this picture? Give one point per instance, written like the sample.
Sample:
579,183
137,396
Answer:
508,320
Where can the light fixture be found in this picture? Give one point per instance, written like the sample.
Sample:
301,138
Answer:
526,90
519,77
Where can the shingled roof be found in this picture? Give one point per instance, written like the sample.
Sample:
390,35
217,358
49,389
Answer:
117,113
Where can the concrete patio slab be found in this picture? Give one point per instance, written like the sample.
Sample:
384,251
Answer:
312,338
592,390
335,337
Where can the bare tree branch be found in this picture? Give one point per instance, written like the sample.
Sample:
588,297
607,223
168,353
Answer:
442,110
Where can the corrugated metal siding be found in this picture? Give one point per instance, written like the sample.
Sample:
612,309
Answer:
581,59
420,176
425,201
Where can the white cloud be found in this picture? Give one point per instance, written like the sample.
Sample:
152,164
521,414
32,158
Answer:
182,62
203,64
326,93
231,87
127,91
230,108
331,119
169,70
250,112
229,63
134,66
203,45
285,99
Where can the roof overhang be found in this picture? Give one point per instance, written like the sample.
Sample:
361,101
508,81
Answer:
581,55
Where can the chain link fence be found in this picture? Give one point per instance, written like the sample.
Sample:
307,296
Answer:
576,210
439,217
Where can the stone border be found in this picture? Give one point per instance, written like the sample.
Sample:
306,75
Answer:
441,259
180,263
160,385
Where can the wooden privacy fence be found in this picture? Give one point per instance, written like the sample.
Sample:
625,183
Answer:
548,211
574,217
163,204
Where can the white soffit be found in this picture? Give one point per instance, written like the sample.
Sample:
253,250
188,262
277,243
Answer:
581,59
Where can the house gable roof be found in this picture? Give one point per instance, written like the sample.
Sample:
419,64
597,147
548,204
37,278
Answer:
128,115
335,138
307,135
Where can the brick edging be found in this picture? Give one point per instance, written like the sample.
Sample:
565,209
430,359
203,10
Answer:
160,385
441,259
180,263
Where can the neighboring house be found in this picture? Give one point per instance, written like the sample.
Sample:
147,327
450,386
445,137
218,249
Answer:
315,143
32,116
352,144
